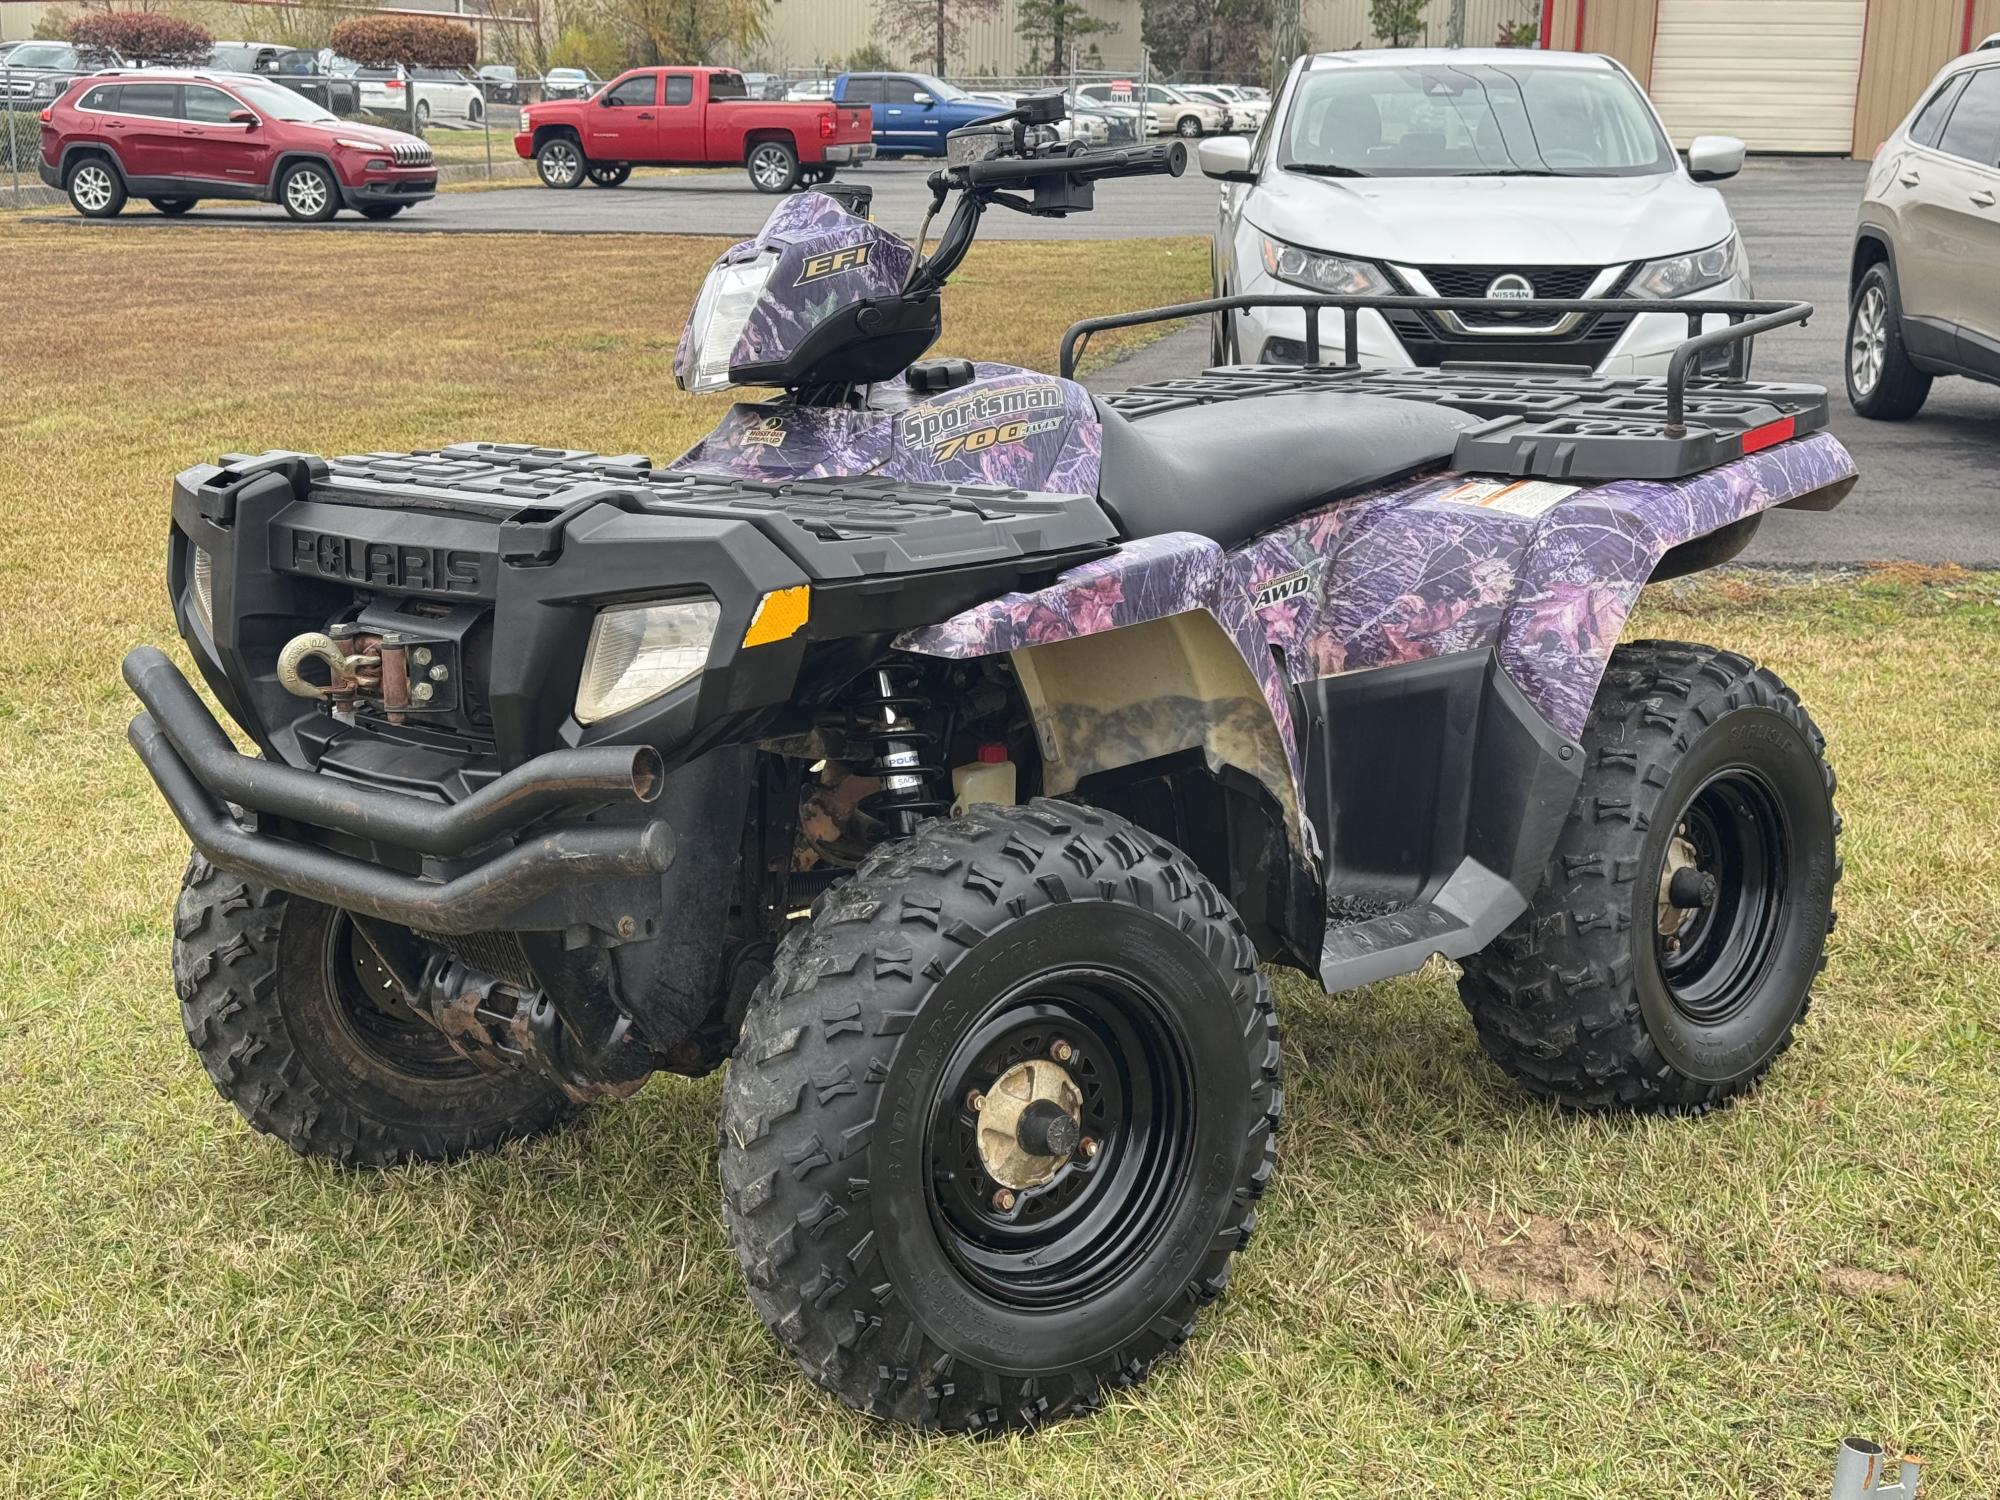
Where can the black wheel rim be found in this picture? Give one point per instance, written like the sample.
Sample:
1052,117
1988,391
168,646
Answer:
374,1018
1064,1241
1715,962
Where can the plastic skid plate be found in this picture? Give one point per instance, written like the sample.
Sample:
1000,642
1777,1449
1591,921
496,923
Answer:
834,529
1539,423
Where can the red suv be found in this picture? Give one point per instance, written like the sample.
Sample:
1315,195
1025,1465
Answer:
177,138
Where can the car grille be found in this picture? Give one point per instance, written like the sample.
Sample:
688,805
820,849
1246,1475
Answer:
1472,281
1429,341
411,154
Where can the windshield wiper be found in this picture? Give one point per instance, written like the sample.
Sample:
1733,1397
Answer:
1322,169
1511,172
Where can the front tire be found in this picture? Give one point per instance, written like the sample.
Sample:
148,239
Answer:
1670,953
773,167
999,1118
95,189
559,163
294,1020
309,193
1882,384
1188,128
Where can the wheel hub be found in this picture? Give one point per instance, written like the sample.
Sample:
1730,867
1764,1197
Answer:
1030,1123
1684,887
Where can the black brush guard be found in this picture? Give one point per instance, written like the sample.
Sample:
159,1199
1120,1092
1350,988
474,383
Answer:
487,876
1542,421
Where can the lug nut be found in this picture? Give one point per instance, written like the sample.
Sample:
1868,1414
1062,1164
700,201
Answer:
975,1101
1061,1051
1004,1200
1087,1148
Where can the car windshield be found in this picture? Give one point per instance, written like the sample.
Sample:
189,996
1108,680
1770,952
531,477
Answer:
281,104
1474,120
54,55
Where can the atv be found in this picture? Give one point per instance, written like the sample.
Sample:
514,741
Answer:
949,751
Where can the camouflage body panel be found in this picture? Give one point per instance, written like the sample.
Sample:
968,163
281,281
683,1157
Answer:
1010,427
827,259
1413,571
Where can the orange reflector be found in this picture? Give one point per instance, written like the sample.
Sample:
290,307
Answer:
1770,433
781,614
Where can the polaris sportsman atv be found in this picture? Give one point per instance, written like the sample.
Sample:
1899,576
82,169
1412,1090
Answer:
947,749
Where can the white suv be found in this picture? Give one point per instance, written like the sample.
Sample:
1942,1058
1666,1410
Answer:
1473,173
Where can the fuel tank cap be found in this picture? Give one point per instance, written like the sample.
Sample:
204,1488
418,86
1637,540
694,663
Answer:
929,376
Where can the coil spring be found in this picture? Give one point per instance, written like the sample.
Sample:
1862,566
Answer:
888,720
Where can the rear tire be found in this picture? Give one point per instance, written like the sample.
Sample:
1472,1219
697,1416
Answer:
381,212
1188,128
773,167
1000,957
1692,756
290,1015
609,174
95,189
559,163
173,208
1882,384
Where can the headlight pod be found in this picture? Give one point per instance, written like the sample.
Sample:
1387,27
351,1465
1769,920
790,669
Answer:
1316,271
720,312
353,145
1682,275
639,651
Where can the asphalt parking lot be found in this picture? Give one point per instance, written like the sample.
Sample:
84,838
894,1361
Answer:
1926,492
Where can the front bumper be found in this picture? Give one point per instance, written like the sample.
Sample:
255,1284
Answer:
481,864
419,187
843,155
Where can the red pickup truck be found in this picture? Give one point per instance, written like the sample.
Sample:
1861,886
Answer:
690,117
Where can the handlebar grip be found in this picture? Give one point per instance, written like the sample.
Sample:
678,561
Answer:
1169,160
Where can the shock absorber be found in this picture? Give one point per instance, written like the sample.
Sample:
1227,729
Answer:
888,720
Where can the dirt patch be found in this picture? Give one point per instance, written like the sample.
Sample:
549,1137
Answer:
1919,575
1553,1263
1856,1282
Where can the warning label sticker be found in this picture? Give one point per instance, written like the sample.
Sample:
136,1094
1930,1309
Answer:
1522,497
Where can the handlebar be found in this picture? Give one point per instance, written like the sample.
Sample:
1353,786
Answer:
1168,160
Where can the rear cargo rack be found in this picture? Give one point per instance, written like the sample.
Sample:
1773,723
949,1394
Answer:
1542,422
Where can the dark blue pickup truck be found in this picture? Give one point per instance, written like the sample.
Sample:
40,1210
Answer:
913,111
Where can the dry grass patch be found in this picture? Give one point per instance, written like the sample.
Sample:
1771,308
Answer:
187,1310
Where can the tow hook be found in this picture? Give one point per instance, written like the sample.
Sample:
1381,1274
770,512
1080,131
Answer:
358,664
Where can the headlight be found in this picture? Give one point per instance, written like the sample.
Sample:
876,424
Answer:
725,304
639,651
48,88
1335,275
201,585
353,145
1679,275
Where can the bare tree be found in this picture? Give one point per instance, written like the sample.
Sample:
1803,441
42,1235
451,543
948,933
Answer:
930,31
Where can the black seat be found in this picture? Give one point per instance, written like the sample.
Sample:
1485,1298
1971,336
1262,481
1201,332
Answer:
1231,469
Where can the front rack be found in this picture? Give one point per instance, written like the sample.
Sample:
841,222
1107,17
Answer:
1542,420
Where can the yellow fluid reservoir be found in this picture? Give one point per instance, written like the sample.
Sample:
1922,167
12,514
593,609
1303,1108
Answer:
988,779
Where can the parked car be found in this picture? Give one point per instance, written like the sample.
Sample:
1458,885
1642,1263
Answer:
913,112
293,68
500,83
1168,109
1245,114
1120,127
440,94
177,137
39,72
570,83
1924,293
1473,173
688,117
810,89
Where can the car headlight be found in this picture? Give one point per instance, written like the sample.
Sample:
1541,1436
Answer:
1335,275
201,589
1680,275
48,88
720,313
353,145
639,651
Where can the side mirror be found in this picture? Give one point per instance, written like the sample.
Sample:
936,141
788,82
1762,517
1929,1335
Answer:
1711,158
243,117
923,98
1226,158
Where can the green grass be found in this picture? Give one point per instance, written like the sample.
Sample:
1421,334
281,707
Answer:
1454,1290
